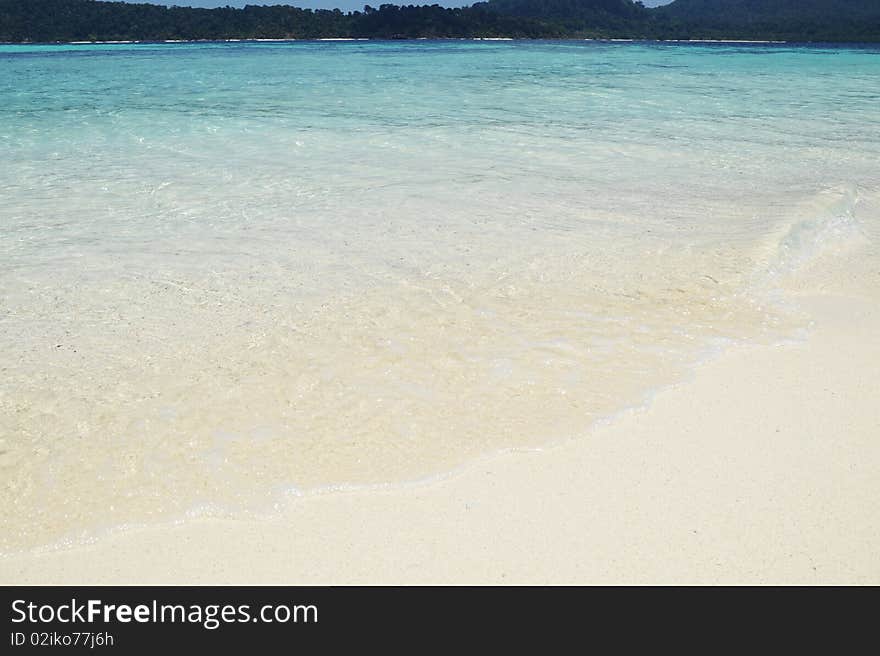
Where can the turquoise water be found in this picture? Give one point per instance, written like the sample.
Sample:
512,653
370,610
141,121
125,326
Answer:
235,272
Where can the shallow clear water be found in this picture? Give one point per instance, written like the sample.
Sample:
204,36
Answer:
231,272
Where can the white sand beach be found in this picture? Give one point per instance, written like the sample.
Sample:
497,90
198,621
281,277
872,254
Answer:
760,469
444,312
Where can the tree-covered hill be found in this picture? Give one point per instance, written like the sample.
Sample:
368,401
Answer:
611,17
73,20
77,20
596,11
793,20
745,11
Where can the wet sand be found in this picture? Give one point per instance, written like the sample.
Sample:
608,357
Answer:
761,468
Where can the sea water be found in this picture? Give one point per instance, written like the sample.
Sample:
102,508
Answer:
232,272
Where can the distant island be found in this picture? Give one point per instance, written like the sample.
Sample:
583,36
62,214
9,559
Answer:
48,21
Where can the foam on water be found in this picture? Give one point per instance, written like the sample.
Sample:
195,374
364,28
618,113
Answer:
230,271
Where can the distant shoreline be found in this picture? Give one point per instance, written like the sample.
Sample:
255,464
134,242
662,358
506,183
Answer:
709,21
330,39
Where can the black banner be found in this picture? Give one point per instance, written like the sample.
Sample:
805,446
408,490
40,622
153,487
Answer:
154,619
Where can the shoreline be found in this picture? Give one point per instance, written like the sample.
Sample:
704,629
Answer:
490,38
447,341
283,499
759,468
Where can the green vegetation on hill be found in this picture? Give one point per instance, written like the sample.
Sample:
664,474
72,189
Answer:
792,20
75,20
622,18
